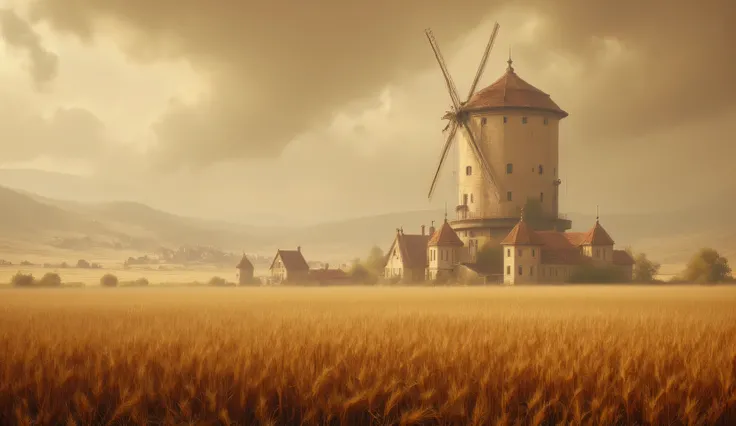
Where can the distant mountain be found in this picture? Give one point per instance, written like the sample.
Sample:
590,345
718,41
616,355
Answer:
667,237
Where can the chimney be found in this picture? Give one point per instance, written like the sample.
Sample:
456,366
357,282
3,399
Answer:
299,249
422,229
431,229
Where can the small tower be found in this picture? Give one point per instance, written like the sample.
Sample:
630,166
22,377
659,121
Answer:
245,271
597,244
522,254
444,251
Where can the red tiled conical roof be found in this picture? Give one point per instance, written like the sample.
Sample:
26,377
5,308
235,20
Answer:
445,236
511,91
597,236
522,235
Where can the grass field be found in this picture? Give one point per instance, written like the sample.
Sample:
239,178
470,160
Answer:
491,355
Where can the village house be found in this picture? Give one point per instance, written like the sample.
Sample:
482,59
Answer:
444,252
406,259
288,266
327,276
245,271
553,257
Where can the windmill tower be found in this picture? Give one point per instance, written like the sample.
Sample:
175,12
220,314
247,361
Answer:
508,153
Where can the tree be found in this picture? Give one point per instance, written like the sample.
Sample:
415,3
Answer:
533,213
109,280
50,279
490,258
707,266
375,261
644,269
360,274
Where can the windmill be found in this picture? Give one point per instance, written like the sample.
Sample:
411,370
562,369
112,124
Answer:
458,117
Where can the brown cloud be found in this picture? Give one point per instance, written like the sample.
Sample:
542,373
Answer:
18,33
279,68
69,133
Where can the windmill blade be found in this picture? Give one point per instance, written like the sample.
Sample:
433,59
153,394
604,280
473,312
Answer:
483,61
445,73
488,171
445,150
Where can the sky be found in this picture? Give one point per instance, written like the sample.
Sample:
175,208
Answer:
303,112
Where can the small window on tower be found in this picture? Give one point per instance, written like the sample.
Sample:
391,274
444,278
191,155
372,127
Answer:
471,198
468,171
509,168
523,120
520,270
508,270
505,120
546,121
508,196
541,169
483,121
541,197
508,252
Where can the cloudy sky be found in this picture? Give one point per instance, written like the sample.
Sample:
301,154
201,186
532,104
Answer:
314,111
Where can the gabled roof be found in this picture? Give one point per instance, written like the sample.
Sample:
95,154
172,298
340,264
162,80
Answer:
522,235
445,236
511,91
244,263
597,236
622,257
292,259
413,249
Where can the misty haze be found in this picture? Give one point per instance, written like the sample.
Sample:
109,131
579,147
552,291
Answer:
378,212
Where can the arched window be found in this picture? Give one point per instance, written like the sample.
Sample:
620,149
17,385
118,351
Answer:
468,171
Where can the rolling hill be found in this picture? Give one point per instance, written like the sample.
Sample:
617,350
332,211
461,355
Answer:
28,220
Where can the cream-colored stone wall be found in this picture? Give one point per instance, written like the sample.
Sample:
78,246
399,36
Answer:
521,264
525,146
394,265
442,259
599,254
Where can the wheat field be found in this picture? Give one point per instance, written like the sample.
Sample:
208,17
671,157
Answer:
360,356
